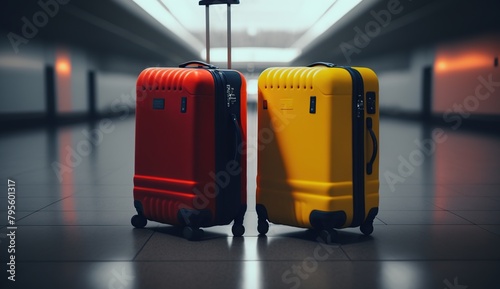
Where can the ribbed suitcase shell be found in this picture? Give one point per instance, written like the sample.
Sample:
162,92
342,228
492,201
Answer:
175,159
305,160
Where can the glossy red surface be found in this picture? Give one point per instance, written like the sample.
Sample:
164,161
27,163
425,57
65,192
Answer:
175,150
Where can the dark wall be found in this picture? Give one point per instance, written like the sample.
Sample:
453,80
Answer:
76,57
402,40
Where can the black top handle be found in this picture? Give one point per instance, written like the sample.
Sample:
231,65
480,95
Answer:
197,63
327,64
214,2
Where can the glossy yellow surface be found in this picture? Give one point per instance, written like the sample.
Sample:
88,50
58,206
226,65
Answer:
305,159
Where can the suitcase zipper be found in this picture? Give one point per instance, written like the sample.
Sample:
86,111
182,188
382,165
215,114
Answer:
358,173
219,151
228,197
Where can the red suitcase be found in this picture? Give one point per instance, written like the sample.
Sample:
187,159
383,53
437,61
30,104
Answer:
190,170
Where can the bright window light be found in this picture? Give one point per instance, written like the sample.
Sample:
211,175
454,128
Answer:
165,16
303,20
259,15
331,16
253,54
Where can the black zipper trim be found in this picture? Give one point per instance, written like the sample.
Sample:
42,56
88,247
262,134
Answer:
358,151
219,118
228,198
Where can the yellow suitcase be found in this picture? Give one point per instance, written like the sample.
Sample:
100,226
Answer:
318,129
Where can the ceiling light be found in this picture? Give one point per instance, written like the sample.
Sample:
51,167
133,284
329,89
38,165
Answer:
300,21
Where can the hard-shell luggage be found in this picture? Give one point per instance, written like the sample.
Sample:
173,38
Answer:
190,134
318,130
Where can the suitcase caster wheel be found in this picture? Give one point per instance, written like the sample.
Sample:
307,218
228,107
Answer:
366,229
262,227
139,221
238,230
192,234
328,236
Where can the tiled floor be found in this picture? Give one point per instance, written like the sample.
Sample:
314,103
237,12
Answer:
438,226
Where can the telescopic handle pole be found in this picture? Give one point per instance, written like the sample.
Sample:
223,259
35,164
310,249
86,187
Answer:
207,4
207,32
228,36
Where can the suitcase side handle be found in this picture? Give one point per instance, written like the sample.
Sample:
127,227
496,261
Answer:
369,126
197,63
239,134
318,63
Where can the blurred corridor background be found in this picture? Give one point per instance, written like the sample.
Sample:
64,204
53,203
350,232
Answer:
81,59
68,71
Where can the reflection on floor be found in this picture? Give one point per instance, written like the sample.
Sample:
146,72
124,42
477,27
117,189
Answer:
438,227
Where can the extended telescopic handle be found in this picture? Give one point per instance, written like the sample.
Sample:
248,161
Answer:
207,4
213,2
